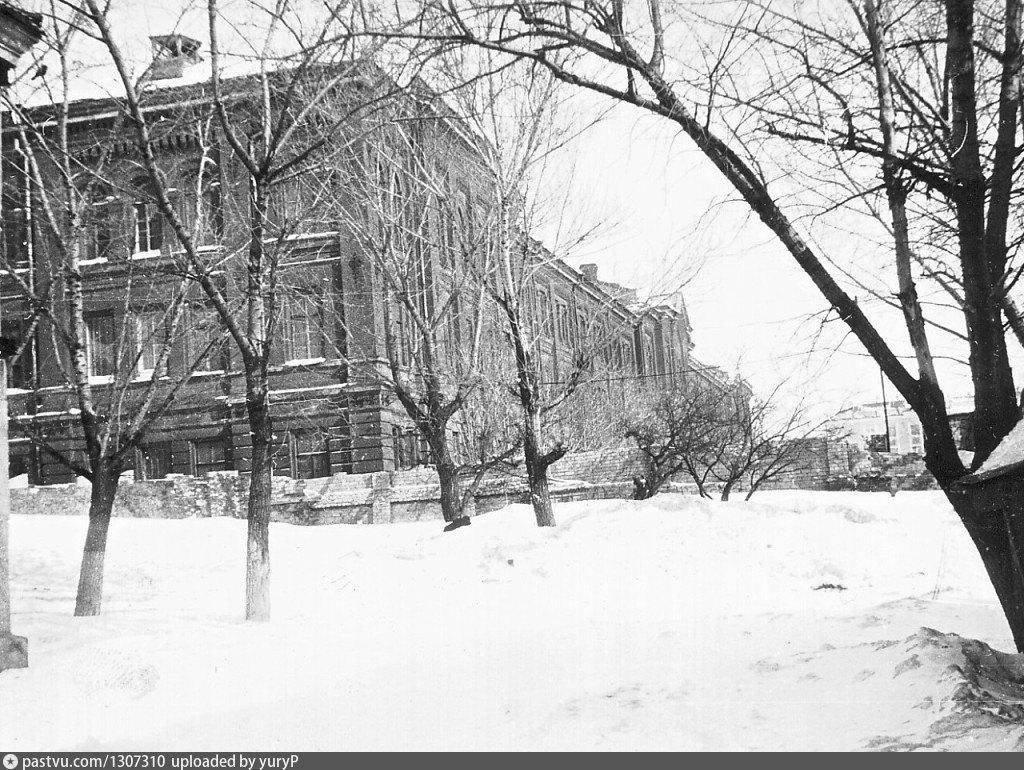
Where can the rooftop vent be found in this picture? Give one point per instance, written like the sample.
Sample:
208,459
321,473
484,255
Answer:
172,54
589,272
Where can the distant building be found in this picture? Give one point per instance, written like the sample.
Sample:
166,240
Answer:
865,426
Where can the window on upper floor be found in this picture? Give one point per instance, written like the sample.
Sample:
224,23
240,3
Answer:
148,225
19,370
200,204
562,322
149,233
15,203
101,226
100,345
303,327
205,340
150,329
405,333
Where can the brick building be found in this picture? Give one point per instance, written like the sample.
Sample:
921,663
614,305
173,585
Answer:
331,414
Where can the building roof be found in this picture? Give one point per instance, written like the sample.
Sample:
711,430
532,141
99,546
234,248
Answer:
19,31
1006,458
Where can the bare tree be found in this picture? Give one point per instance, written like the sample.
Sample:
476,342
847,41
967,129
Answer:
951,73
688,429
416,178
116,368
277,124
765,439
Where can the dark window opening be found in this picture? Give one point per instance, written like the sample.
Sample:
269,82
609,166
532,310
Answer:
153,461
311,453
210,455
20,370
150,339
101,224
206,341
100,347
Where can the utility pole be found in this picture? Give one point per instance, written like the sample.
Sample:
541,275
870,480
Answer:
19,31
885,411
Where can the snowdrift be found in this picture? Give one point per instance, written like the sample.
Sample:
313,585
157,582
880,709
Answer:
796,621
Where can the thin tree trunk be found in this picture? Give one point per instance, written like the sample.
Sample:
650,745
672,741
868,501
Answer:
257,565
537,472
997,528
540,498
726,491
101,507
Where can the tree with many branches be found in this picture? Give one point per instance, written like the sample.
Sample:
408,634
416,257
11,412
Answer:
912,107
121,372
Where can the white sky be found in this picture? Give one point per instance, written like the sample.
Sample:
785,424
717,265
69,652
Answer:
670,219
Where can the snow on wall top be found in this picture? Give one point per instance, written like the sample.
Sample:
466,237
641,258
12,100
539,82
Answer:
1007,455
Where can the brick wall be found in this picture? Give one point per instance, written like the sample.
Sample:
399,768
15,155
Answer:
176,497
392,496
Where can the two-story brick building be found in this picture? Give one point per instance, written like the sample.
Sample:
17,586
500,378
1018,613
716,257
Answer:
331,414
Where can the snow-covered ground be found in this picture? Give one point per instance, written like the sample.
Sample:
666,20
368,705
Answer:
795,621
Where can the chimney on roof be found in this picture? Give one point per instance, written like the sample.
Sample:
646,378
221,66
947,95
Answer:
589,272
172,54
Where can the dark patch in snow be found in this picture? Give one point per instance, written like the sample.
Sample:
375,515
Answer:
908,665
830,587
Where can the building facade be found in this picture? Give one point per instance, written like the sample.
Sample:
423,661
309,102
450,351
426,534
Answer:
332,413
882,427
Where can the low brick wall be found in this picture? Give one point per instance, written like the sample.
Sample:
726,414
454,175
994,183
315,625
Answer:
376,498
175,497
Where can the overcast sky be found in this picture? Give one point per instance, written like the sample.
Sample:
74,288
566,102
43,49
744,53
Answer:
669,221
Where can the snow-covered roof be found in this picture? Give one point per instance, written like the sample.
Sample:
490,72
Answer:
1005,458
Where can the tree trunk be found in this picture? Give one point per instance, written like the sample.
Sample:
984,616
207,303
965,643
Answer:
540,497
451,500
101,507
257,564
726,490
994,518
537,472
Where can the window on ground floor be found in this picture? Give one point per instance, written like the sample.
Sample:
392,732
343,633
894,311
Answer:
208,455
311,454
153,460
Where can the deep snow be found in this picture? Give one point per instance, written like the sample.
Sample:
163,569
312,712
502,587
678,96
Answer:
795,621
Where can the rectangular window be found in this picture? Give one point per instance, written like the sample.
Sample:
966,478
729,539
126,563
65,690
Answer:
209,455
153,461
101,218
311,452
543,315
563,322
301,327
100,351
149,233
200,205
15,202
205,341
19,371
150,339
